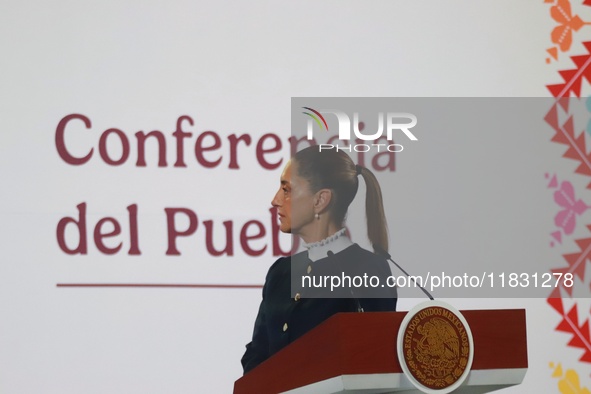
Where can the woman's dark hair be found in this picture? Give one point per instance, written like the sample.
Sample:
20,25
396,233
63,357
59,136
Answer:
333,169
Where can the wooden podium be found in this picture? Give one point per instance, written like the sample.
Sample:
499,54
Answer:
356,353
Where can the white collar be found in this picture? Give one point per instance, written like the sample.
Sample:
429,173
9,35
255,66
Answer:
335,244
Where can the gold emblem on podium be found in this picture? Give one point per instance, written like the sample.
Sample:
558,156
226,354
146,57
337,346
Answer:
435,347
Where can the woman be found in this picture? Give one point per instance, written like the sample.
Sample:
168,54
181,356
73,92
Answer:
316,190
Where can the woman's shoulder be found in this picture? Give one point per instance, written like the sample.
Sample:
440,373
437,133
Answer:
283,264
362,259
357,252
278,266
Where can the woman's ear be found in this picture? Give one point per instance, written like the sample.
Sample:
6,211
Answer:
322,200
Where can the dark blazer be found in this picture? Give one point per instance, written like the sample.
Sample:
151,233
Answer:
289,310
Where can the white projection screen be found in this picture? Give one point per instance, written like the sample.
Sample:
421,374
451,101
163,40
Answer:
141,144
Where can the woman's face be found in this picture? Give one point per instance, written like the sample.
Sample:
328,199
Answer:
294,201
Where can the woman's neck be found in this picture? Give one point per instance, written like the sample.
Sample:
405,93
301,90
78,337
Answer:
318,231
335,243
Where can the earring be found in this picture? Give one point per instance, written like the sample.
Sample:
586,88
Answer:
317,216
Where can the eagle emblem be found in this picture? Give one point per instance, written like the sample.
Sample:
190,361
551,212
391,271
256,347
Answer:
436,347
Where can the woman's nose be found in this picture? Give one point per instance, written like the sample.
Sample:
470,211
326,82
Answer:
275,200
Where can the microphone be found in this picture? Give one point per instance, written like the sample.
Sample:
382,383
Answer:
330,255
385,254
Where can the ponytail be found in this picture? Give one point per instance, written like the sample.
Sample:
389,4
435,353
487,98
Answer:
377,228
334,169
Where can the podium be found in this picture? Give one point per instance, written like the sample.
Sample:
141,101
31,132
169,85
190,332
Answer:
356,353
